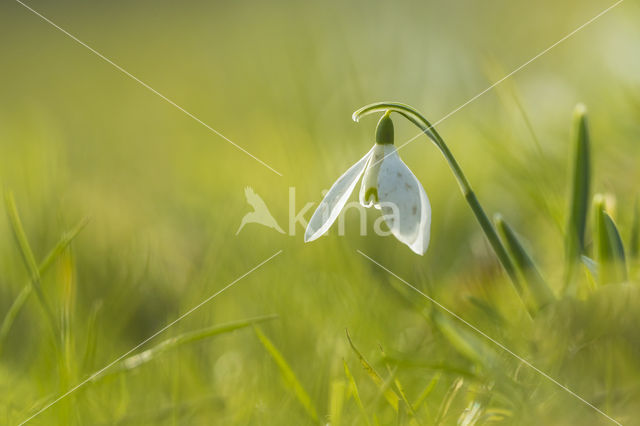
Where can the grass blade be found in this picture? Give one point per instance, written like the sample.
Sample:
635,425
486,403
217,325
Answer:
62,244
402,415
336,402
135,361
400,390
579,193
388,393
591,272
487,310
448,399
353,390
465,343
634,243
539,293
426,392
29,260
471,415
288,375
91,345
609,248
24,294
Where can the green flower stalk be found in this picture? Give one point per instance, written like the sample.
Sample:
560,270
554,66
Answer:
423,124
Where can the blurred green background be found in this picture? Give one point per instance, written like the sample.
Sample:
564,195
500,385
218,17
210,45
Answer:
165,197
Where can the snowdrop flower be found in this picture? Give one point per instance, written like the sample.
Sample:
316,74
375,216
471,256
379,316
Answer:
387,185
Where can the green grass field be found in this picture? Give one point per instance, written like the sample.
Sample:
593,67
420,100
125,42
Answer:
120,212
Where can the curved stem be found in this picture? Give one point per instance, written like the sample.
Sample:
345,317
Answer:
423,124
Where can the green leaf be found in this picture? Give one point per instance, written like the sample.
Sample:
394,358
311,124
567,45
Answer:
634,243
537,292
336,401
402,416
609,249
465,342
579,192
288,375
29,260
591,272
353,390
139,359
448,399
426,391
391,397
399,389
487,310
89,357
44,266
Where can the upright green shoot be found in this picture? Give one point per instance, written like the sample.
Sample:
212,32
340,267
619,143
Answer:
537,292
610,256
578,196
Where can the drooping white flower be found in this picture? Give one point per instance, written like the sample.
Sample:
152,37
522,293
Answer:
388,185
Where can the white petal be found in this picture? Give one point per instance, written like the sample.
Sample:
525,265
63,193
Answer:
334,201
398,187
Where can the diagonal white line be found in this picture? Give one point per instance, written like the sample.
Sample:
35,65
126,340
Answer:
495,342
572,33
145,85
163,329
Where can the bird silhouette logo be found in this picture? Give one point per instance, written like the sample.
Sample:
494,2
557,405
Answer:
260,213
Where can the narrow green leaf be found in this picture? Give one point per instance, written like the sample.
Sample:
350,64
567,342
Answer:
465,342
62,244
591,272
24,294
579,192
336,402
135,361
487,310
426,392
29,260
537,292
591,265
496,415
91,345
288,375
609,249
353,390
634,244
448,399
400,389
391,397
20,236
471,415
402,416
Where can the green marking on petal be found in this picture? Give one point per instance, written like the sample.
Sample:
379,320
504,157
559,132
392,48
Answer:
371,192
